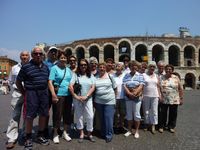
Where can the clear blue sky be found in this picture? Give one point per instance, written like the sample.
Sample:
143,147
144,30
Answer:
23,23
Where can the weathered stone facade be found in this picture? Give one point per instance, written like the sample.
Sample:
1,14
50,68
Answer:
183,53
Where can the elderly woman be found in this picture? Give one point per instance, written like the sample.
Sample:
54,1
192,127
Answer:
133,85
120,102
83,105
59,79
105,101
172,93
151,96
93,65
72,63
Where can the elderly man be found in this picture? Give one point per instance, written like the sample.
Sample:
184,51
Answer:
35,76
16,102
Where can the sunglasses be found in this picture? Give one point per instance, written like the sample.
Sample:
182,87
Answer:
36,54
53,52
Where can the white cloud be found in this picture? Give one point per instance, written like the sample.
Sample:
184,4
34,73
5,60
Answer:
10,53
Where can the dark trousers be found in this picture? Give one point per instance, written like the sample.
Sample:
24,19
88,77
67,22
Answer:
106,113
159,115
172,115
62,109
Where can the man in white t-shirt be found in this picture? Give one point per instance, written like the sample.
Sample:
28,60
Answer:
16,102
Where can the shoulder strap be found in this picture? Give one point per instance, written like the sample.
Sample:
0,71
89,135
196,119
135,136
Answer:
63,77
111,80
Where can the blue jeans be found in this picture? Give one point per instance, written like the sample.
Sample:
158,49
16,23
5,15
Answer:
106,113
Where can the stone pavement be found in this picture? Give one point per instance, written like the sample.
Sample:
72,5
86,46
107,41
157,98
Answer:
187,136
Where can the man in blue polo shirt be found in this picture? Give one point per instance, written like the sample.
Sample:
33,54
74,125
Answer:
35,76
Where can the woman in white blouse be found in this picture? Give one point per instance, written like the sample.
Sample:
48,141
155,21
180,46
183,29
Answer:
151,93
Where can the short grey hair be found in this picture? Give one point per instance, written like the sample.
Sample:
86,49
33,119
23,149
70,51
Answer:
93,59
161,62
36,47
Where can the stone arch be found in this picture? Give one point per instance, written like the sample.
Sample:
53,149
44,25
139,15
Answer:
109,51
80,52
68,51
174,55
94,51
124,46
157,51
198,54
141,52
190,80
189,55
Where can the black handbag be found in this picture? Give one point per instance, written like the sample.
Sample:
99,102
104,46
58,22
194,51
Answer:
77,87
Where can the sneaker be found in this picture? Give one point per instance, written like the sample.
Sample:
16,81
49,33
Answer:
127,134
108,140
145,129
91,138
10,145
136,135
160,130
66,136
46,133
172,130
56,139
28,145
43,140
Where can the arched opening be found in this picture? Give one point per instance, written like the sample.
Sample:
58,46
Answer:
174,55
141,53
189,57
68,52
189,81
108,52
199,56
198,83
124,49
80,53
94,51
157,53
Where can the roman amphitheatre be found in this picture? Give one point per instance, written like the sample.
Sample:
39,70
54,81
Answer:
182,51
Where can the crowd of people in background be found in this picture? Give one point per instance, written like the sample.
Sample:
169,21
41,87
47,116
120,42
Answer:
101,98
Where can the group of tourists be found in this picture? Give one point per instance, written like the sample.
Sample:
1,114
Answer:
104,97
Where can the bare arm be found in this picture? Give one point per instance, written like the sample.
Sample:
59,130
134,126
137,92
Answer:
91,90
180,90
51,88
20,87
71,89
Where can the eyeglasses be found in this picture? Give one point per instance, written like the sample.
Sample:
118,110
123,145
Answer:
36,54
83,64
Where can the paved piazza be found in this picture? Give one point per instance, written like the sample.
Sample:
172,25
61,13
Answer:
187,136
